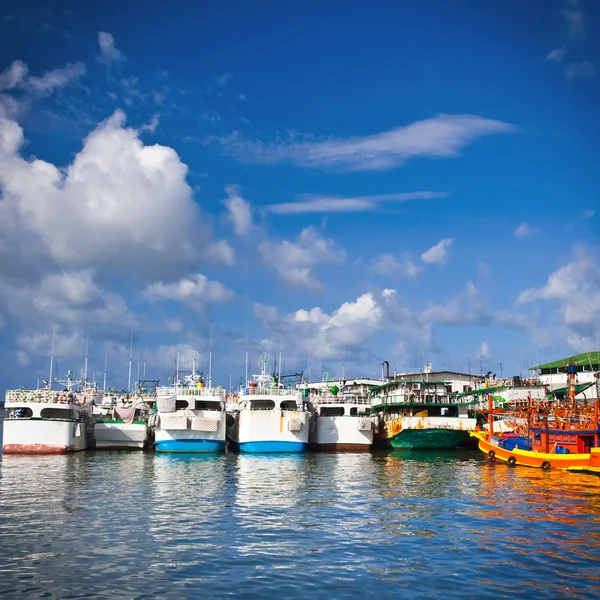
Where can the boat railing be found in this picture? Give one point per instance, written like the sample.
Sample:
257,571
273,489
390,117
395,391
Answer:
188,391
318,399
269,391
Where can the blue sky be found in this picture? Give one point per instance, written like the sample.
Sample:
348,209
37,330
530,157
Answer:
348,182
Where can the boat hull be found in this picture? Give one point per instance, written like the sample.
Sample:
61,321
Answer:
530,458
342,434
189,446
40,436
272,446
175,433
269,431
120,435
428,439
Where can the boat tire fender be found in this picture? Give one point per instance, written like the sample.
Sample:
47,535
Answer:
546,465
492,455
512,461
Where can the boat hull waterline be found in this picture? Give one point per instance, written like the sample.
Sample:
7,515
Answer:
530,458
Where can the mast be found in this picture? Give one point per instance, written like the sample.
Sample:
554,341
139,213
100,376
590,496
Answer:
246,355
177,370
51,359
210,359
138,361
104,385
87,348
130,356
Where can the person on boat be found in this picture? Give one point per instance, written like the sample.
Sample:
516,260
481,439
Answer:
572,370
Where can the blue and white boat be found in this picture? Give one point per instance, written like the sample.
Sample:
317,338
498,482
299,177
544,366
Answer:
190,417
270,417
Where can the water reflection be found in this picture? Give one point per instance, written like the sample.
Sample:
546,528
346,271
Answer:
137,525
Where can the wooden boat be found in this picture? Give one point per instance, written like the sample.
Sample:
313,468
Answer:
556,437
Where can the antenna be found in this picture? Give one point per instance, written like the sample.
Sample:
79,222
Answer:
210,357
138,361
51,358
104,386
87,348
246,355
280,342
177,370
130,356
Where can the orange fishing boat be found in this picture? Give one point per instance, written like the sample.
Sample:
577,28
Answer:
561,437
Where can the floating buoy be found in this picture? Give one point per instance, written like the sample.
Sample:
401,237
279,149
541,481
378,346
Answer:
512,461
546,465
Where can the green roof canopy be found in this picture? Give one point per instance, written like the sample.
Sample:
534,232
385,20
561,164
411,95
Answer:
586,358
578,389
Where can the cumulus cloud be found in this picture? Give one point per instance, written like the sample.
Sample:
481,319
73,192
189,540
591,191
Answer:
337,204
556,55
574,289
109,53
388,264
132,201
437,254
238,210
196,289
295,262
442,136
67,298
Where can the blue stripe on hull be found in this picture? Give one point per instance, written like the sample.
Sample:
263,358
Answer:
271,446
190,446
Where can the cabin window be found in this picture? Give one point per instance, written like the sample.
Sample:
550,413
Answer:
573,439
332,411
181,404
353,411
262,405
289,405
58,413
206,405
20,413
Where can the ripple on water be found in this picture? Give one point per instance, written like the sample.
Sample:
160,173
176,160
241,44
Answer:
134,525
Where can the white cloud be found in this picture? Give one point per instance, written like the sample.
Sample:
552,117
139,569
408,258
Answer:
484,351
462,309
523,230
388,264
439,136
295,261
68,298
13,75
321,204
219,252
580,70
437,253
2,322
575,291
132,201
238,209
151,127
556,55
57,78
589,213
196,290
109,53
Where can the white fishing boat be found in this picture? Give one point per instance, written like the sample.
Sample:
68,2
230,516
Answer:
269,417
47,421
190,417
122,421
341,422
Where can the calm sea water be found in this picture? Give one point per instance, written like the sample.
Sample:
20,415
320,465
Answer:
417,525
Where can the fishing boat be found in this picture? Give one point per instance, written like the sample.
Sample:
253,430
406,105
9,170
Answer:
47,421
270,417
341,422
190,417
558,435
420,415
122,421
